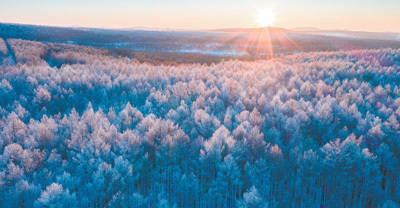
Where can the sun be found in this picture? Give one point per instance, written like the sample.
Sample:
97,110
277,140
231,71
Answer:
265,17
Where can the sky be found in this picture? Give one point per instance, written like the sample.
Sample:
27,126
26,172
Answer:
366,15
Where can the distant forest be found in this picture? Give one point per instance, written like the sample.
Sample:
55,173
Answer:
205,47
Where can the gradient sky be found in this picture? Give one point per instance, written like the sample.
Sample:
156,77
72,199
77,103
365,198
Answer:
367,15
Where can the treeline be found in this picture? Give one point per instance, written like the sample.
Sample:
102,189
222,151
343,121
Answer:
308,130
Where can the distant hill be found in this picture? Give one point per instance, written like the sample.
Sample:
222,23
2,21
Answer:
252,30
349,33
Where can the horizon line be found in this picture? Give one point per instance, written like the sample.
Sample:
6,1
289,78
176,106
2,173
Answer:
166,28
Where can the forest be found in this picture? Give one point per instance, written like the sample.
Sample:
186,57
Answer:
174,47
82,128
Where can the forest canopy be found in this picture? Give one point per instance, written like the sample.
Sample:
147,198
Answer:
79,128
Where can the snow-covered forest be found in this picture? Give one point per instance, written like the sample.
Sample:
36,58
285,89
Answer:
80,128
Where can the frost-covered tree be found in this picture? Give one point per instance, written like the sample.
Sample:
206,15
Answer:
80,128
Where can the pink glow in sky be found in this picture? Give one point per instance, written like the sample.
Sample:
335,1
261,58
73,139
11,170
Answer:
369,15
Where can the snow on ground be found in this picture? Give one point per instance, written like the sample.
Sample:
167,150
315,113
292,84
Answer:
3,47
